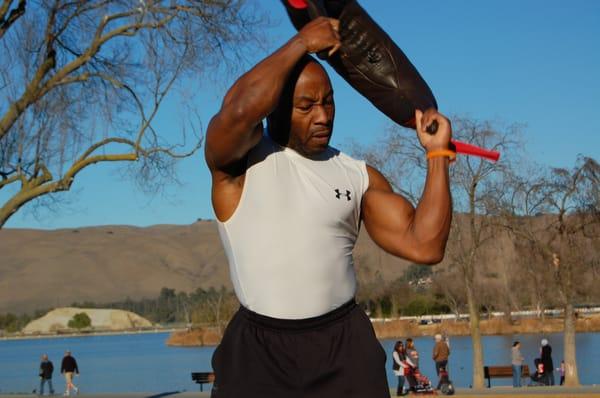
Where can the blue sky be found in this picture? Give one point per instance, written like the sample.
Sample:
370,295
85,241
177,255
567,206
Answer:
532,62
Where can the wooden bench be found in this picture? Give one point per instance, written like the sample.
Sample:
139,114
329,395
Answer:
502,372
203,378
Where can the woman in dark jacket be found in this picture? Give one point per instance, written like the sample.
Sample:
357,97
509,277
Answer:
546,357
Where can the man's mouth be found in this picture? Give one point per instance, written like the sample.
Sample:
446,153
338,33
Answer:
321,134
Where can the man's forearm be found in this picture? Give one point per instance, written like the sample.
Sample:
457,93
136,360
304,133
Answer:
433,214
255,95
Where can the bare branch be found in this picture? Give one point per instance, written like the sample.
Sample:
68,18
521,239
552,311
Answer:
86,80
9,180
7,21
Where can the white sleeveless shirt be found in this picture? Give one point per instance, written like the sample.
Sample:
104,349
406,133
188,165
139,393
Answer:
289,242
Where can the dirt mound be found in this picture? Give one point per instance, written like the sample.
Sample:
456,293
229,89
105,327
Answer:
102,319
195,337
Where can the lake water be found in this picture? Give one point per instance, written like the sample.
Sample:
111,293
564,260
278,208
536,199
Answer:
143,363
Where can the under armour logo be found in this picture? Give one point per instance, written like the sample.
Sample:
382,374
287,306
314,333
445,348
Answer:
338,194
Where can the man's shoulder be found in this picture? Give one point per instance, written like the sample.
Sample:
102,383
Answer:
265,147
343,155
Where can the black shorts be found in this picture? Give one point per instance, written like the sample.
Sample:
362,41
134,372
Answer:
329,356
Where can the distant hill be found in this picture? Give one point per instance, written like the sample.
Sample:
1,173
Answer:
47,269
102,319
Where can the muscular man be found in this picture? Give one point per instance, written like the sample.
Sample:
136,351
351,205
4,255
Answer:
289,208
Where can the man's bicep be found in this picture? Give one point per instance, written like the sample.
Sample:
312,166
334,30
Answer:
387,216
377,181
228,141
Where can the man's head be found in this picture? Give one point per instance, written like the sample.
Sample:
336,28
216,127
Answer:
67,353
438,337
44,357
303,119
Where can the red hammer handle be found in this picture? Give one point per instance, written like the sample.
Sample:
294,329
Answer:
466,149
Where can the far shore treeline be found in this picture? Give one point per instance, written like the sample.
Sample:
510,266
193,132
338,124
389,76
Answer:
204,307
418,292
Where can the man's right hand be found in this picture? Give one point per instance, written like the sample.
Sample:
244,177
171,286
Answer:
439,140
321,34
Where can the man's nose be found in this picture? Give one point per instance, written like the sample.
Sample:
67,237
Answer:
322,113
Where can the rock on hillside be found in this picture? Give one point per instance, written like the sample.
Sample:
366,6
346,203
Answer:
102,319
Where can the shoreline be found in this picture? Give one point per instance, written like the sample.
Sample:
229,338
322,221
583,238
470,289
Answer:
384,329
399,328
98,333
494,326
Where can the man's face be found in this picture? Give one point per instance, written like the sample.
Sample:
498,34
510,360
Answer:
312,111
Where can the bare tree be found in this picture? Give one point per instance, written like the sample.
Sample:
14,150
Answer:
217,308
475,183
447,283
82,81
538,283
564,232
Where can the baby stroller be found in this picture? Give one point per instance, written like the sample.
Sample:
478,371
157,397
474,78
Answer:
445,385
419,383
538,378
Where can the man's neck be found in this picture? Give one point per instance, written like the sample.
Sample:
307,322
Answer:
290,144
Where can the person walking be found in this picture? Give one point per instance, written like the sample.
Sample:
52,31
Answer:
46,369
441,352
546,357
517,363
400,367
69,368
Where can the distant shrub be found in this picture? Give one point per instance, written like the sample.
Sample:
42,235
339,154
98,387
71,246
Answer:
424,306
386,306
417,307
12,323
80,321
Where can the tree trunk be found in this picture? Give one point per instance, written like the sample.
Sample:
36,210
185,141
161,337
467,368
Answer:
478,380
571,375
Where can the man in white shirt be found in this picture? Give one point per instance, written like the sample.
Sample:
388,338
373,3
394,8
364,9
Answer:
289,208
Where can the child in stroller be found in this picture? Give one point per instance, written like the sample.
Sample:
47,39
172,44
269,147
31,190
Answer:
418,382
538,378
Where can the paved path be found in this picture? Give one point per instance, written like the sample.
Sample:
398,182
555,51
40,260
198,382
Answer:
500,392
